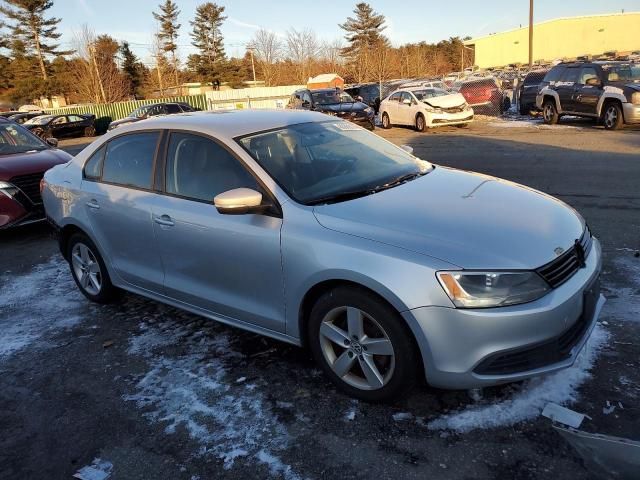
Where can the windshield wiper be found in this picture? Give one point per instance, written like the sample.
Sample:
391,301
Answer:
342,196
350,195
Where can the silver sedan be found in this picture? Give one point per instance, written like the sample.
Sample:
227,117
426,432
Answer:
316,232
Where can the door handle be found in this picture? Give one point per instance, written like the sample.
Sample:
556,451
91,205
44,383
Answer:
93,204
164,220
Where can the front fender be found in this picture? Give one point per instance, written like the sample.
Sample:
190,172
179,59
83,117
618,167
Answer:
548,92
610,93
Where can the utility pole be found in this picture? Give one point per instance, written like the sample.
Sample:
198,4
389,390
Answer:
92,51
530,33
253,67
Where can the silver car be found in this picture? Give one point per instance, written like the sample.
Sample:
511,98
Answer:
313,231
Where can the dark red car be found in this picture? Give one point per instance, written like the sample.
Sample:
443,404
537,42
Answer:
483,94
23,160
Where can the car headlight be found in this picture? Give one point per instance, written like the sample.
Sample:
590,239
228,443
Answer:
492,289
635,98
431,109
8,189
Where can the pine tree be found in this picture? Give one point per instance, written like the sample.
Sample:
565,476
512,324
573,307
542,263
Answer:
364,36
132,68
31,26
168,34
208,40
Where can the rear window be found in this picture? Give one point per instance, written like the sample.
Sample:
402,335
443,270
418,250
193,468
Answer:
570,75
554,74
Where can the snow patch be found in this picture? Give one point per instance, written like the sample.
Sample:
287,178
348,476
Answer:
402,416
98,470
560,387
195,391
36,304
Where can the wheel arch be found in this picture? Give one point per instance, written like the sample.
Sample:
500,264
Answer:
610,97
314,293
553,96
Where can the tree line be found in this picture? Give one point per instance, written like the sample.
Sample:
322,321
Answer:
101,69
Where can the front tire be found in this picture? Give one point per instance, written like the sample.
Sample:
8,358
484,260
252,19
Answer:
89,271
362,344
386,122
89,132
550,112
421,124
612,118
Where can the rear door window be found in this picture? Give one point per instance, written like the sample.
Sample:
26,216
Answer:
554,74
129,160
570,75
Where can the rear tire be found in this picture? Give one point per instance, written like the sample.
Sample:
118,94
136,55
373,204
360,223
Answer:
421,124
612,117
524,109
89,271
550,112
386,122
362,345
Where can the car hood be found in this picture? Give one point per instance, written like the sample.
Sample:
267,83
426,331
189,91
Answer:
469,220
343,107
446,101
26,163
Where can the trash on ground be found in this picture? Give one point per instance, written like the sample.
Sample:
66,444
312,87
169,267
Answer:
611,457
562,415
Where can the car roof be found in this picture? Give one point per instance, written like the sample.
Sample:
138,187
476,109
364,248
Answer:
227,124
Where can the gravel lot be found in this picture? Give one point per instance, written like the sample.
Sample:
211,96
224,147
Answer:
144,391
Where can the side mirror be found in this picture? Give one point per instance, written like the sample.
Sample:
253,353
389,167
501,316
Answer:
594,82
407,148
52,141
239,201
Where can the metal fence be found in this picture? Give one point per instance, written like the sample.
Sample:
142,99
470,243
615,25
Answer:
108,112
262,97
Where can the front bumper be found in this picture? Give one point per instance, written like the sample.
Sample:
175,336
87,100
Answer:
14,213
457,344
440,119
631,113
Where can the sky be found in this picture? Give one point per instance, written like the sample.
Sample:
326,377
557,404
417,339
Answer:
407,21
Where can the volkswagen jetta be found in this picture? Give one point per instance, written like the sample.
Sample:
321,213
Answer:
314,231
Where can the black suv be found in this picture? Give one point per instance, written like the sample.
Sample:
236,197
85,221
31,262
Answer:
607,91
368,93
333,101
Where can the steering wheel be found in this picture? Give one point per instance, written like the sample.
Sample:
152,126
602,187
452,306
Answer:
344,166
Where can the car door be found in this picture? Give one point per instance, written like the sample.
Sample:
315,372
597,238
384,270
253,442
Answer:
118,196
391,107
58,127
405,109
567,89
76,125
587,96
307,101
229,265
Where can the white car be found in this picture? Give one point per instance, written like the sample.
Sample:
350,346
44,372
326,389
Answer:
425,108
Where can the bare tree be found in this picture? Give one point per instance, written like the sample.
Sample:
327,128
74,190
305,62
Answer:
303,49
94,70
161,64
268,49
331,55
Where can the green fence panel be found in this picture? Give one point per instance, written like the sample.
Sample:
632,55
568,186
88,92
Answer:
108,112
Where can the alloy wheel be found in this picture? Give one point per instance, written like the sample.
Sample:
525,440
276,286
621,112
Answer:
357,348
420,123
548,112
611,117
86,268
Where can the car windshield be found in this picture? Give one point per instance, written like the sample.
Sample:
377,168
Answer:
140,112
331,97
43,120
332,161
423,95
623,73
15,139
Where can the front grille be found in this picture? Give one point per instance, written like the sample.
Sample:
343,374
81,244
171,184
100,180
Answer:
29,185
454,109
562,268
546,353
